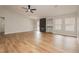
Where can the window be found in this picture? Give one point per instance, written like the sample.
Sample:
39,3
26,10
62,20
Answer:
69,24
65,25
57,24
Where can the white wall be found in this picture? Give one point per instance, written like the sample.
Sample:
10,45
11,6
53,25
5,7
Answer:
36,25
78,28
15,22
78,24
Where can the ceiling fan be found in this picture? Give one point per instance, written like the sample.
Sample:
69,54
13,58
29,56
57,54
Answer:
28,9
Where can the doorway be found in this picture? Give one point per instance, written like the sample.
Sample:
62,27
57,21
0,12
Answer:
43,25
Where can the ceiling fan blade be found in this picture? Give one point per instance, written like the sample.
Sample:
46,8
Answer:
28,6
33,9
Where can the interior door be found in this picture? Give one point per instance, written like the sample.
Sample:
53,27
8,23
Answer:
43,25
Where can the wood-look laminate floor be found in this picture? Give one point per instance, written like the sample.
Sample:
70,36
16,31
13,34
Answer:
35,42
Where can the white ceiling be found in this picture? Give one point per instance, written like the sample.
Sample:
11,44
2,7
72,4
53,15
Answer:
45,10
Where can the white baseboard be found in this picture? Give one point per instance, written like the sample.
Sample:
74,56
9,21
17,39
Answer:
65,33
15,32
